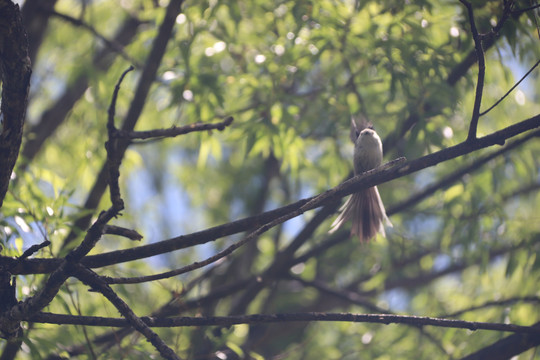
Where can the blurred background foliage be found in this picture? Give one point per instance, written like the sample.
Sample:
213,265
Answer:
292,73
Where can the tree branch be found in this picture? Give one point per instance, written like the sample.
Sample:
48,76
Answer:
15,72
504,302
146,80
56,114
385,319
113,157
112,44
368,179
511,89
175,130
458,174
91,279
508,347
481,72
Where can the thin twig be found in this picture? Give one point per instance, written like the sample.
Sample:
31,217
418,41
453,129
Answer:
175,130
110,43
521,11
120,231
458,174
146,79
523,299
511,89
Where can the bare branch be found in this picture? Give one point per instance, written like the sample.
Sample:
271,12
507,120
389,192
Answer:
508,347
15,72
93,280
343,294
56,114
458,174
113,44
175,130
521,11
33,249
113,157
59,276
368,179
504,302
120,231
481,72
283,318
511,89
146,79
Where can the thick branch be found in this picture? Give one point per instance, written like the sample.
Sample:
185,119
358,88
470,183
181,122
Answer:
15,71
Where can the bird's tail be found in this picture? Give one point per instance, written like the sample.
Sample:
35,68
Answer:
366,210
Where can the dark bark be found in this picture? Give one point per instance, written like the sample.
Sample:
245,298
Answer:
15,71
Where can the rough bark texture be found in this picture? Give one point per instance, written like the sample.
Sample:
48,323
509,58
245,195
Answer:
15,70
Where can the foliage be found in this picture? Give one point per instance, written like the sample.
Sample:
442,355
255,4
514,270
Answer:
291,73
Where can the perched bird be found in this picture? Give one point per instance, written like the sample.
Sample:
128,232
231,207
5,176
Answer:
365,208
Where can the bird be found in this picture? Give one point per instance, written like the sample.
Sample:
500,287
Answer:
365,208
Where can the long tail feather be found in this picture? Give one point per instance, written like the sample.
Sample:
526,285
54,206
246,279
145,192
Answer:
366,210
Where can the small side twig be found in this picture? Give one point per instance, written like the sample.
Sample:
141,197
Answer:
120,231
110,43
511,89
504,302
175,130
33,249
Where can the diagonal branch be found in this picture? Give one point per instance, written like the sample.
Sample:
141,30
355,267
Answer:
511,89
112,44
93,280
54,116
368,179
371,178
507,347
458,174
504,302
